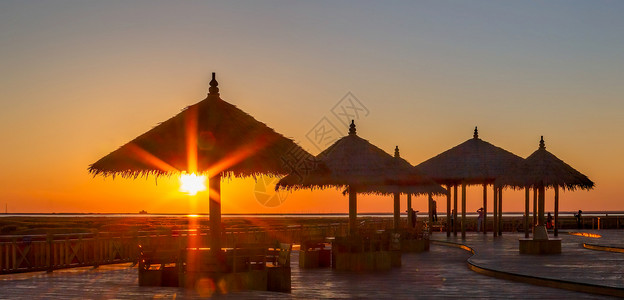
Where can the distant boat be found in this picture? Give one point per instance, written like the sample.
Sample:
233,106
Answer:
143,212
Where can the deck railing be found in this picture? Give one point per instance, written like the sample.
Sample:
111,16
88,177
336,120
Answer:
28,253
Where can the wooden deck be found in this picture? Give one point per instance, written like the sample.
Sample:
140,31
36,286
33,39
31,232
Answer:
442,272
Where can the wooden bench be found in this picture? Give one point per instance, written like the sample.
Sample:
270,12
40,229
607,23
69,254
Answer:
278,270
158,265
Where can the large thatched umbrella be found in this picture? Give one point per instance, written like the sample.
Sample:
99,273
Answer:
474,161
540,170
211,137
361,167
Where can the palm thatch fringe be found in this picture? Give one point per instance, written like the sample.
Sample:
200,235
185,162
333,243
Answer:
354,161
543,168
211,136
472,162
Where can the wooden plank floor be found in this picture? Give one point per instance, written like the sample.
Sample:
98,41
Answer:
442,272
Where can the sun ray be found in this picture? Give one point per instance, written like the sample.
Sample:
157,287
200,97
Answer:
144,156
191,139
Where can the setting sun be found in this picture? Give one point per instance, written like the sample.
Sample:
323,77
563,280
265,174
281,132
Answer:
192,183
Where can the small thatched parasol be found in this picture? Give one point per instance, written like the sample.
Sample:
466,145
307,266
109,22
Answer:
430,187
361,167
474,161
541,170
211,137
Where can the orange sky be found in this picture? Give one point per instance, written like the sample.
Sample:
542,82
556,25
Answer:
81,79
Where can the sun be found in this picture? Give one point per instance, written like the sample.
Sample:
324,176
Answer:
192,183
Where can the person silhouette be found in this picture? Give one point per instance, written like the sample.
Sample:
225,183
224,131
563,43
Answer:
479,219
549,221
579,218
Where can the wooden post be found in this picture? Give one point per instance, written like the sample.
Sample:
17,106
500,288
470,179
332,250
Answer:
352,211
526,211
430,201
14,253
484,221
556,210
214,195
49,261
448,210
409,209
534,206
397,211
540,208
500,211
495,213
96,243
463,221
455,208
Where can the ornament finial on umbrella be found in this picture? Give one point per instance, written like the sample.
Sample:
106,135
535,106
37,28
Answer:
352,128
542,145
476,133
396,152
214,86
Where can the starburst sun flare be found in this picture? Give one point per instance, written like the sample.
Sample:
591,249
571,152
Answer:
192,183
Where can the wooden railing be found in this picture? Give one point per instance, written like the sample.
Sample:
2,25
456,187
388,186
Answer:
46,253
28,253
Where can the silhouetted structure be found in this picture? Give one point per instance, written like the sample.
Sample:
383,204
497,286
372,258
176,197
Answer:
211,137
540,170
359,166
472,162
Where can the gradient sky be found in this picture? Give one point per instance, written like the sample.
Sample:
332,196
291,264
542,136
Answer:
81,78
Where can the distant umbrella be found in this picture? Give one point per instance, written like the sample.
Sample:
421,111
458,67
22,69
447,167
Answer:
474,161
211,137
541,170
425,186
359,166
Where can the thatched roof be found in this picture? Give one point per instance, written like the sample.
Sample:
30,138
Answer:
474,161
211,136
542,168
354,161
424,188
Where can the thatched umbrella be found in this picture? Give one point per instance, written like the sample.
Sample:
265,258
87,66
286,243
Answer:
361,167
540,170
428,187
474,161
211,137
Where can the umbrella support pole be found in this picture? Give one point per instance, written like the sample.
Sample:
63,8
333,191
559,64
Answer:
526,212
455,210
484,221
463,221
500,211
556,211
448,211
495,213
215,212
352,211
397,211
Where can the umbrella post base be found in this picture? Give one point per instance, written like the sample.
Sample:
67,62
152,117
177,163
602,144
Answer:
531,246
540,233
